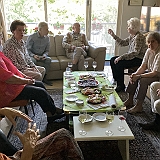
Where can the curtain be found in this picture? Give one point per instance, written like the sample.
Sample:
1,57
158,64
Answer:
2,21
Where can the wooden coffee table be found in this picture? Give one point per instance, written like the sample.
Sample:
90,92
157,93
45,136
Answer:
96,131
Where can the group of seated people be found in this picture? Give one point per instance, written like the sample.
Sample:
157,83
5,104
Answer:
148,73
21,79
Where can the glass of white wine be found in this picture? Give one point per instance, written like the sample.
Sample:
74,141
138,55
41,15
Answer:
86,65
110,118
94,65
70,64
82,119
114,84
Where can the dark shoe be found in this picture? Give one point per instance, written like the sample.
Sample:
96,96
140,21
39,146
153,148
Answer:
75,67
47,82
120,88
55,117
149,126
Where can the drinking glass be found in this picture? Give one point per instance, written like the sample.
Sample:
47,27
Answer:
70,64
114,84
94,65
82,119
122,114
86,65
110,118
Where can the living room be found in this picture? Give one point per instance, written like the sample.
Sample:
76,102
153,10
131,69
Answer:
125,12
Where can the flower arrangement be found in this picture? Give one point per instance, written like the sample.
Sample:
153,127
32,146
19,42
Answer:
35,29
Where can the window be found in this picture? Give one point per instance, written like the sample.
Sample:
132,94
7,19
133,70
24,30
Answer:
60,15
150,19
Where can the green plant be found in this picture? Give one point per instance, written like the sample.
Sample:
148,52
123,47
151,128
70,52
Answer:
157,24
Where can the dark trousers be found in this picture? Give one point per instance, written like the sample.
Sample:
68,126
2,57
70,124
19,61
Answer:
38,93
118,69
5,146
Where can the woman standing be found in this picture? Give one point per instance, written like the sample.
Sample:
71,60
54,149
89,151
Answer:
134,56
140,80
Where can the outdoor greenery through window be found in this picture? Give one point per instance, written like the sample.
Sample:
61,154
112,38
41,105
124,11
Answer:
61,14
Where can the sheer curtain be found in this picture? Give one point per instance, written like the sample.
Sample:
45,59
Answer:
2,21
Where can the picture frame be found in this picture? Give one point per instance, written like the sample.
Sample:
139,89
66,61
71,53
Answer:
135,2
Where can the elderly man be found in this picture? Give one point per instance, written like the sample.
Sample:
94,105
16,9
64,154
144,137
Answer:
76,46
38,47
155,104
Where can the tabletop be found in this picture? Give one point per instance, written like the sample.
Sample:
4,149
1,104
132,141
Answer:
72,107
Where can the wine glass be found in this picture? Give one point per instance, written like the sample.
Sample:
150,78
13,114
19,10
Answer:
122,114
114,84
94,65
82,119
86,65
110,118
70,64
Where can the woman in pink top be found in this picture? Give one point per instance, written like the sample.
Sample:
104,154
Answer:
14,85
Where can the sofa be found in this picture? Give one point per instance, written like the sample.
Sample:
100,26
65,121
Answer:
60,61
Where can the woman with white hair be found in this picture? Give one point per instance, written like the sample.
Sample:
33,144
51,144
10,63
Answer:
137,48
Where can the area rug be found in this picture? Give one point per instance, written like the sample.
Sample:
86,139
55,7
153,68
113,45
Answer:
145,146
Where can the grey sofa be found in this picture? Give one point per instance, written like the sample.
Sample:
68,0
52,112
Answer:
60,61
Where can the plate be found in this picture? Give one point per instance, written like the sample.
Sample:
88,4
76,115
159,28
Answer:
88,83
99,117
89,118
71,98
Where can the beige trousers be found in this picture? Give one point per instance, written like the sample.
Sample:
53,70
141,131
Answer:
78,55
37,75
155,100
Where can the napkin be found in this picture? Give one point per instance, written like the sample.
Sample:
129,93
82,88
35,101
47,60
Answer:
112,101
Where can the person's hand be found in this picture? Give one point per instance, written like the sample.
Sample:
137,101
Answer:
84,47
43,58
31,81
29,138
11,113
158,92
73,47
133,78
110,31
36,57
117,60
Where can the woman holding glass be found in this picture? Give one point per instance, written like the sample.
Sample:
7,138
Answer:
134,56
140,80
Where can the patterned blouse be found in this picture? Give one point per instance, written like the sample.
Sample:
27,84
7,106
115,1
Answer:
17,53
137,46
75,39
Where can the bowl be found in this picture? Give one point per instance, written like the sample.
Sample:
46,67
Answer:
79,102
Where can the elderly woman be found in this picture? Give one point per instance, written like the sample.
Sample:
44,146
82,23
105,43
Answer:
141,79
155,104
58,145
134,56
15,50
14,85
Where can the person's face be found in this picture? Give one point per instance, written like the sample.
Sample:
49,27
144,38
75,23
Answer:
130,31
44,31
152,43
19,32
76,28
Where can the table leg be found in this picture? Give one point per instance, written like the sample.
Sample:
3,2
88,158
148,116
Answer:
123,146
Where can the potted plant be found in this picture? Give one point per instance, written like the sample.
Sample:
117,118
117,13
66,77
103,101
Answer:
58,25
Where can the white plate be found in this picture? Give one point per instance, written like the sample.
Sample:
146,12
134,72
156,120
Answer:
99,117
71,98
89,118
